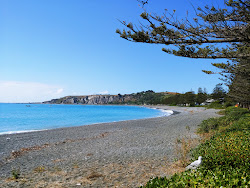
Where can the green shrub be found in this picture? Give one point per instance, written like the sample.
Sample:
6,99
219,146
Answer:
232,114
236,112
221,112
225,156
15,173
228,104
225,150
203,178
215,105
210,124
242,123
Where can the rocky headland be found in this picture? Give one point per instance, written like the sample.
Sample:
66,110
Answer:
92,99
141,98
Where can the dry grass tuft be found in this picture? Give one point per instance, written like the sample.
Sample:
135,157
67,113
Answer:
94,175
205,136
90,154
128,174
57,160
39,169
15,154
183,146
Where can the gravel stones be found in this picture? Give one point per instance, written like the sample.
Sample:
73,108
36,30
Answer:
122,154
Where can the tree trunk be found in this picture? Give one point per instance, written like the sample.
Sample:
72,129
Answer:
245,105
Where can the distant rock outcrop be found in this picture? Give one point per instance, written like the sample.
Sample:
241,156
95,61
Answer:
92,99
144,97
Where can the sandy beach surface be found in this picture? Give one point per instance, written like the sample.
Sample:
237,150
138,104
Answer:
118,154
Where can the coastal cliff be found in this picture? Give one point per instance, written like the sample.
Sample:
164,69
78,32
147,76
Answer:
144,97
93,99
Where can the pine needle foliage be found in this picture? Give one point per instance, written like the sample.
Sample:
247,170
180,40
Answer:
213,33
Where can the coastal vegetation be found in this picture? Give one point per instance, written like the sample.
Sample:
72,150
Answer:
15,173
145,97
225,154
219,96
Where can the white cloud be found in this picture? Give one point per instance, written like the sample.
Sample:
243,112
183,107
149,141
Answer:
59,91
103,92
14,91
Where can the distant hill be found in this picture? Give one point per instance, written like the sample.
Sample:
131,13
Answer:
144,97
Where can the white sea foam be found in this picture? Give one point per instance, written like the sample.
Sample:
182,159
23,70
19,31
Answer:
165,112
168,112
16,132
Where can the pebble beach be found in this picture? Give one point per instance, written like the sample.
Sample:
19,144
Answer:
117,154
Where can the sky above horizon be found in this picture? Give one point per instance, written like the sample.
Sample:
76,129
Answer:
50,49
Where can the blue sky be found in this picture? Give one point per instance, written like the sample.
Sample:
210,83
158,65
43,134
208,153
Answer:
50,49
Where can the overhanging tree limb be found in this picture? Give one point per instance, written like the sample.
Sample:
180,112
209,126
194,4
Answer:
213,33
212,26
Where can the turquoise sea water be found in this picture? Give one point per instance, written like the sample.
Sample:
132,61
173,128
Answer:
16,118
